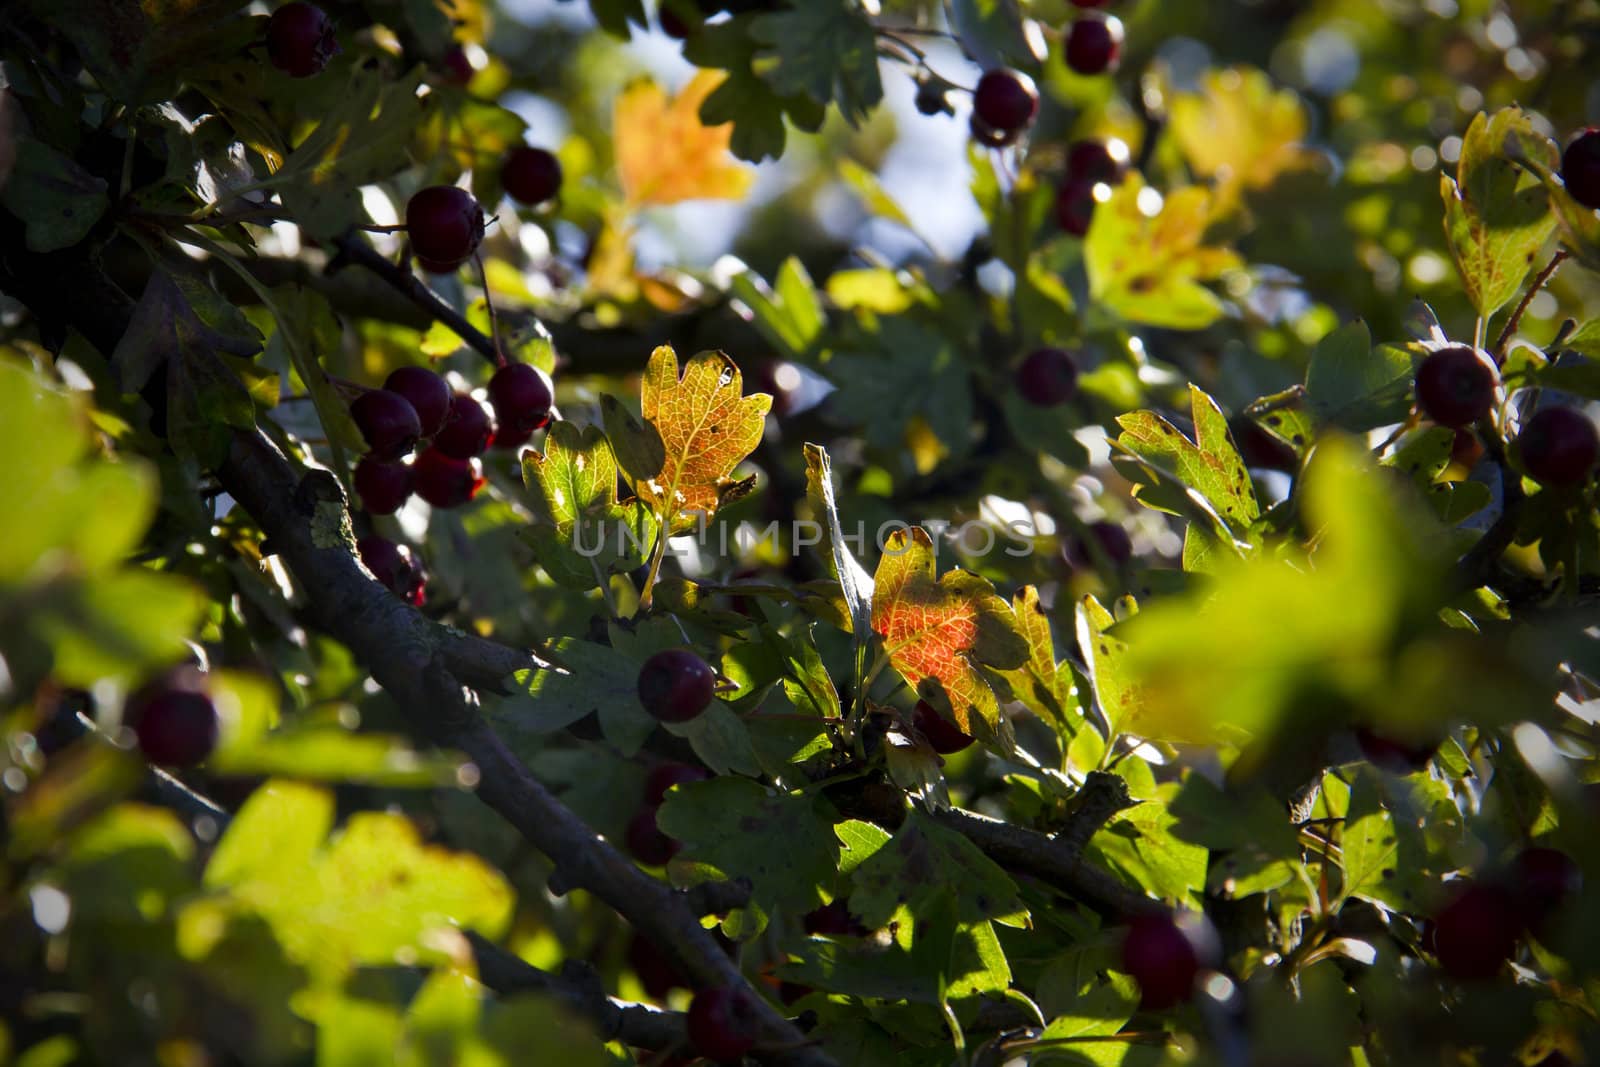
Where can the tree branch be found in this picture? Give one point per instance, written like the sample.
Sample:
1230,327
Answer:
307,523
1527,298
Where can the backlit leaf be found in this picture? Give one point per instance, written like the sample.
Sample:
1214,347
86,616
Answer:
581,531
1238,129
666,155
1148,268
1041,683
943,631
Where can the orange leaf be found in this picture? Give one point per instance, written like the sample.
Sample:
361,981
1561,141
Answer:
666,155
940,632
705,425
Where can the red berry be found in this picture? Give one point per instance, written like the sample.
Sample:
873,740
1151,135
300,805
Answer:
944,736
383,487
300,39
387,421
1047,377
1165,954
466,430
663,776
988,136
531,175
1075,206
1005,100
1392,754
1098,161
655,972
1113,540
722,1024
425,391
1476,932
834,919
1456,385
445,225
1094,45
1544,879
675,685
1558,446
394,566
646,842
174,719
443,481
457,66
1466,449
1580,168
522,396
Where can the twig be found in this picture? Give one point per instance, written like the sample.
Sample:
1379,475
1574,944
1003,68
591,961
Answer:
354,250
1527,298
400,647
481,663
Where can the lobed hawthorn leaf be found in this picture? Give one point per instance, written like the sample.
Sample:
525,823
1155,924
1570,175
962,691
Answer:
1148,269
701,426
1239,129
1115,689
666,154
1578,225
581,532
57,200
1041,683
827,50
1210,465
586,679
924,862
1355,386
996,33
1494,228
744,99
941,633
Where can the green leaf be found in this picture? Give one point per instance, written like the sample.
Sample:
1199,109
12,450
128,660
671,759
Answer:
1140,844
120,625
897,370
581,532
1494,229
721,740
788,313
872,193
1043,684
57,200
370,891
855,584
996,33
308,336
1380,860
826,50
618,17
363,139
923,862
744,98
1097,1007
1114,688
1355,386
779,841
588,679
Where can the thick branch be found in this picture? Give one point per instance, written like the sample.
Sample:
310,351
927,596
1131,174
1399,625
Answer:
302,517
481,663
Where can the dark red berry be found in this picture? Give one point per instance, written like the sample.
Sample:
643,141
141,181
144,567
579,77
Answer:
1558,446
531,175
522,396
445,225
646,841
1260,449
466,429
1113,540
457,66
663,776
834,920
1580,168
1476,932
300,39
655,972
443,481
675,685
1456,385
174,719
387,421
1075,206
1047,377
1466,449
722,1024
506,440
1094,45
944,736
1090,3
931,99
1394,755
383,487
393,565
1543,880
1098,161
988,136
425,391
1166,953
1005,100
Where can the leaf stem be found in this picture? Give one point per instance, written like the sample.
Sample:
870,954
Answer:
1515,320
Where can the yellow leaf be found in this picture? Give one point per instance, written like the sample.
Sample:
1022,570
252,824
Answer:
940,632
1146,257
665,155
705,426
1237,129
